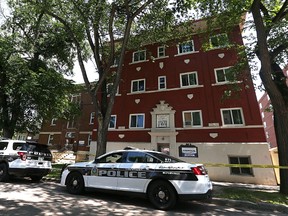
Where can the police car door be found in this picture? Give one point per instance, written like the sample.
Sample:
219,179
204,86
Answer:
134,172
105,171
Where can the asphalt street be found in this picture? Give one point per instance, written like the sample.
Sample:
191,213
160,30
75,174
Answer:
22,197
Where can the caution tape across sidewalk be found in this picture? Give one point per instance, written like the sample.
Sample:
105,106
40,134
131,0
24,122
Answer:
244,165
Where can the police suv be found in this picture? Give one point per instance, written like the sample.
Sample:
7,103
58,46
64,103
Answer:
161,178
24,159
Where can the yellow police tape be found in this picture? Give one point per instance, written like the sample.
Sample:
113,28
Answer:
227,165
244,165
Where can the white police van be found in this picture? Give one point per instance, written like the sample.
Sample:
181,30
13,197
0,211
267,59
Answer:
161,178
24,159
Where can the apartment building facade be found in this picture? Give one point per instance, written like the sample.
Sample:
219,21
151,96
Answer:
170,99
74,135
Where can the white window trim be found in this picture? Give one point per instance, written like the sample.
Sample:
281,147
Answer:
139,60
232,125
137,114
164,48
185,53
49,139
189,86
218,47
89,139
215,73
114,124
53,121
159,83
138,81
192,111
92,117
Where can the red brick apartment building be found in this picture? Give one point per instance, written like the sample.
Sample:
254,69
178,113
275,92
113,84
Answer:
73,135
170,99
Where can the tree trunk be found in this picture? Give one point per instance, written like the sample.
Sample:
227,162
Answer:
8,133
281,130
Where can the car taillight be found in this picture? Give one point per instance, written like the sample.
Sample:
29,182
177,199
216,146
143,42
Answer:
199,170
22,155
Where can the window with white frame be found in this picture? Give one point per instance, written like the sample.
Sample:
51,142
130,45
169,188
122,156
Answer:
71,123
139,56
92,118
50,139
192,118
76,98
224,75
186,47
189,79
112,123
136,121
109,88
161,51
219,41
162,82
53,121
233,116
138,85
89,139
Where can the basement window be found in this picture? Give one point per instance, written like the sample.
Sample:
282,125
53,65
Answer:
240,160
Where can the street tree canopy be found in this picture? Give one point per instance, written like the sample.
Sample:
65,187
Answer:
34,54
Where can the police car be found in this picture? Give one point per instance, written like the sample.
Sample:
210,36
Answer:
163,179
24,159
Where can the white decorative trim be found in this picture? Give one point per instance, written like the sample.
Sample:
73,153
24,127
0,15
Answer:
213,135
121,136
161,65
186,61
221,55
137,101
138,68
190,96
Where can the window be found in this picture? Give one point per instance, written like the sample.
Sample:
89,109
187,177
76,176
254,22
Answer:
232,116
76,98
218,41
189,79
138,85
224,75
71,123
162,82
53,122
139,56
161,51
186,47
109,88
240,170
111,158
137,121
137,157
92,117
112,123
50,139
89,139
162,120
192,118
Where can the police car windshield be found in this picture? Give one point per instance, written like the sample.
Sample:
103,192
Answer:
164,158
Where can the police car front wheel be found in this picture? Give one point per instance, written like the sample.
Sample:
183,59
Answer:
162,195
75,183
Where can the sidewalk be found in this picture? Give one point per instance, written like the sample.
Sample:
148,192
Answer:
218,186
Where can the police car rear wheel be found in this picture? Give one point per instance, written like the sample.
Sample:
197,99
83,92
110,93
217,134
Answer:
75,183
162,195
3,172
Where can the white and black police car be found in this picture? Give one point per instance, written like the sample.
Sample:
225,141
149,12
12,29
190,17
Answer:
24,159
163,179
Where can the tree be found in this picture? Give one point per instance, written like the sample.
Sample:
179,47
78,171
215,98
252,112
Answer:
31,84
103,29
270,46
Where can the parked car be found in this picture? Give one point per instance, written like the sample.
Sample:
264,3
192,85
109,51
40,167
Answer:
24,159
161,178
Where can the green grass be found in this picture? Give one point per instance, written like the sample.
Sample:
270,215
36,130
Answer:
255,196
234,193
